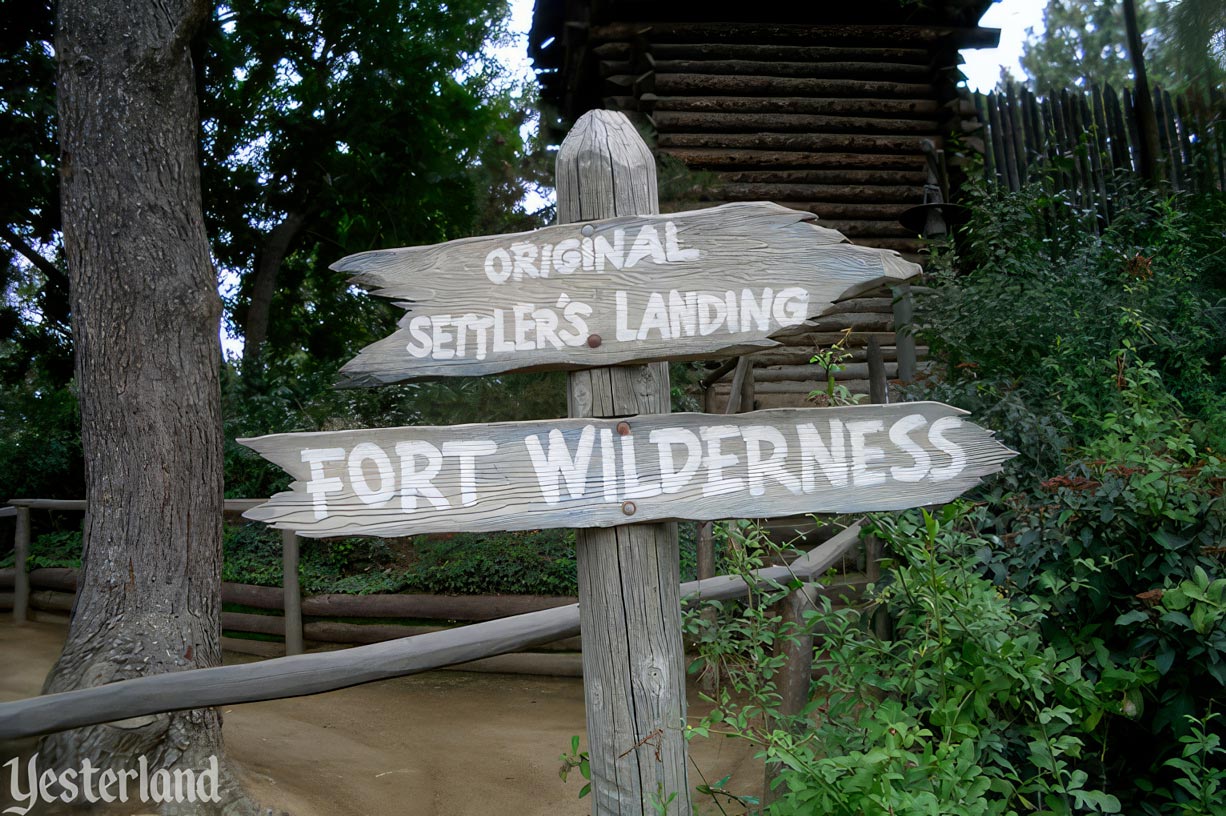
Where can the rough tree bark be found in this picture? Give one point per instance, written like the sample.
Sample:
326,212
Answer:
145,321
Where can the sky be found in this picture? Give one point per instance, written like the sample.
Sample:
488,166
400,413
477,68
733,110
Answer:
1012,17
982,67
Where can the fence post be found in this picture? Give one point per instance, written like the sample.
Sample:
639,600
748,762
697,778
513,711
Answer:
21,574
878,387
904,333
872,546
629,606
292,590
795,643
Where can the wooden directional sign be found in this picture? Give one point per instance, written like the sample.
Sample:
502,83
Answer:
637,289
600,473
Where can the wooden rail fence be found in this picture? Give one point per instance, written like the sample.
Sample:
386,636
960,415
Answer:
1084,141
299,675
318,620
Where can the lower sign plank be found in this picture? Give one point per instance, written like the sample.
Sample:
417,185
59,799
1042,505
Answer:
599,473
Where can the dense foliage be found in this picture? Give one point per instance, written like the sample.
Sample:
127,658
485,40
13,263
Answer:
326,129
970,707
535,562
1059,643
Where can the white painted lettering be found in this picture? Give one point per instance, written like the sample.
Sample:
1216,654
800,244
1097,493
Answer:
791,306
559,464
467,452
863,455
320,486
715,461
672,246
758,468
611,253
830,459
672,479
898,435
365,452
957,456
498,265
646,245
524,255
414,482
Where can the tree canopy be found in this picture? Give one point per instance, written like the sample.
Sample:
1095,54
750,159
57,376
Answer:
1084,41
334,127
325,129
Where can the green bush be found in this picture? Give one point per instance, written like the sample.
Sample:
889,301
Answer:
1032,312
965,711
1100,358
40,441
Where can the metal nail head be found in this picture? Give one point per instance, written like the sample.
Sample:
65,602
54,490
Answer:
623,429
594,341
628,508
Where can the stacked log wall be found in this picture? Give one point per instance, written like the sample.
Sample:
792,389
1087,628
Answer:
830,119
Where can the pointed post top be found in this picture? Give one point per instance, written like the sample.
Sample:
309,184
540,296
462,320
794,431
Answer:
605,170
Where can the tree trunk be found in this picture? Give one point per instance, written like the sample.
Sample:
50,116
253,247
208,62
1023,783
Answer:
264,284
1147,122
145,321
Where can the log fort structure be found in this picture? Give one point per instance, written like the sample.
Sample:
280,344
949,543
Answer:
824,108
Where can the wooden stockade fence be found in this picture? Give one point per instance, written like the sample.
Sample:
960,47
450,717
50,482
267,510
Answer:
1085,141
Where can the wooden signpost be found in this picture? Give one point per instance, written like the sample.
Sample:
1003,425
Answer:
627,286
606,472
630,289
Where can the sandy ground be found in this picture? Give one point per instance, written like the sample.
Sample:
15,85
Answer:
436,744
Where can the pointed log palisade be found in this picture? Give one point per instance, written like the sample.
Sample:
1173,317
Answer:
614,290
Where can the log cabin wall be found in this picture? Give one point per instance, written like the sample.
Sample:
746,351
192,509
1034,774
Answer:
820,107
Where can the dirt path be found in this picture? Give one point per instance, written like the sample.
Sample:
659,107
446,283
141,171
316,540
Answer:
437,744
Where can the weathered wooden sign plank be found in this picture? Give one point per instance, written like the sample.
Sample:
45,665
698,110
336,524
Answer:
600,473
636,289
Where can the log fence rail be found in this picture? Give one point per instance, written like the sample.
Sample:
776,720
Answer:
299,675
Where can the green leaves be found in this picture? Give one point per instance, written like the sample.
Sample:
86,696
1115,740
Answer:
576,759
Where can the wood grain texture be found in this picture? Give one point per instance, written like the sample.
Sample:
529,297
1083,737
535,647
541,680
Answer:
683,121
327,671
656,287
634,666
291,591
795,33
577,472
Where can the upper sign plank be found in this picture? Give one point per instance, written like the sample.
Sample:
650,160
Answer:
639,289
600,473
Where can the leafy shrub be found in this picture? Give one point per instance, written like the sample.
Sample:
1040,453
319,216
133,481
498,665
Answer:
40,442
965,711
1031,311
1100,358
58,549
538,562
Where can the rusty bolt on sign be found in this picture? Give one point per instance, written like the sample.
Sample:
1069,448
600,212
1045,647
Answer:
594,341
623,429
628,508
